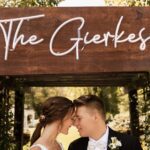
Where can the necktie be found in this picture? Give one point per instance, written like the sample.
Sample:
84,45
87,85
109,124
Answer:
96,145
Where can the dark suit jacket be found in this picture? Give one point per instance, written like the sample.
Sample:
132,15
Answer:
128,142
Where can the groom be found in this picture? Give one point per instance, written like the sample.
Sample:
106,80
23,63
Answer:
95,134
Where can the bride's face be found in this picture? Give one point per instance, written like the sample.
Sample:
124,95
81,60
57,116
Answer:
66,123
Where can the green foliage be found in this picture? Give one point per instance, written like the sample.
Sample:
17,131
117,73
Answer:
6,121
111,99
127,2
29,3
146,113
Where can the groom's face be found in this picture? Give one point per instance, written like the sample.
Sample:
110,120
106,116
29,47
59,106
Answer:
84,121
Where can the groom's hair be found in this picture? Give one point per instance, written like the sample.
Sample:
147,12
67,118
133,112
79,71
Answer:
91,101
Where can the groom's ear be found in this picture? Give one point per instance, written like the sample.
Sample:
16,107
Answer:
96,115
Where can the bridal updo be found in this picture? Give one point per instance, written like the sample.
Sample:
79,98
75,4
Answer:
53,109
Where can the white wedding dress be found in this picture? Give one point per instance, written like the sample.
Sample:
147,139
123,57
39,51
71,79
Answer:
42,147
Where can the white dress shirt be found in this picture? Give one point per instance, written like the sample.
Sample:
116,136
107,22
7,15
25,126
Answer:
100,144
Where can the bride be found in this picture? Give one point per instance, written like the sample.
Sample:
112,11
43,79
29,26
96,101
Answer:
57,113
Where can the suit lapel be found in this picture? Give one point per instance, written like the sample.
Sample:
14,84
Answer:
85,144
108,148
111,134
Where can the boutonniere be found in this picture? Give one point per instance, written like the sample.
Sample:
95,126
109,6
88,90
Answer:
114,144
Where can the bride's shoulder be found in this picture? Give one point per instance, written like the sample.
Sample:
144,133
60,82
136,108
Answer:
35,148
38,147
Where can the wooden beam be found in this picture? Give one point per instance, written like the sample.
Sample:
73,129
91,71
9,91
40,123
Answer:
19,118
102,79
134,114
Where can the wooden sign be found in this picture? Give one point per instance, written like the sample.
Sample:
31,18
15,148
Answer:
74,40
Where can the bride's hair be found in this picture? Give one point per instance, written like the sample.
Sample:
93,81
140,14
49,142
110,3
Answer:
53,109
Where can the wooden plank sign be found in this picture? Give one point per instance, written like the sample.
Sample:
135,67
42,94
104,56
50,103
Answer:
74,40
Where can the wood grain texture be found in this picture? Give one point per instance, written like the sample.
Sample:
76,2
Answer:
37,59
